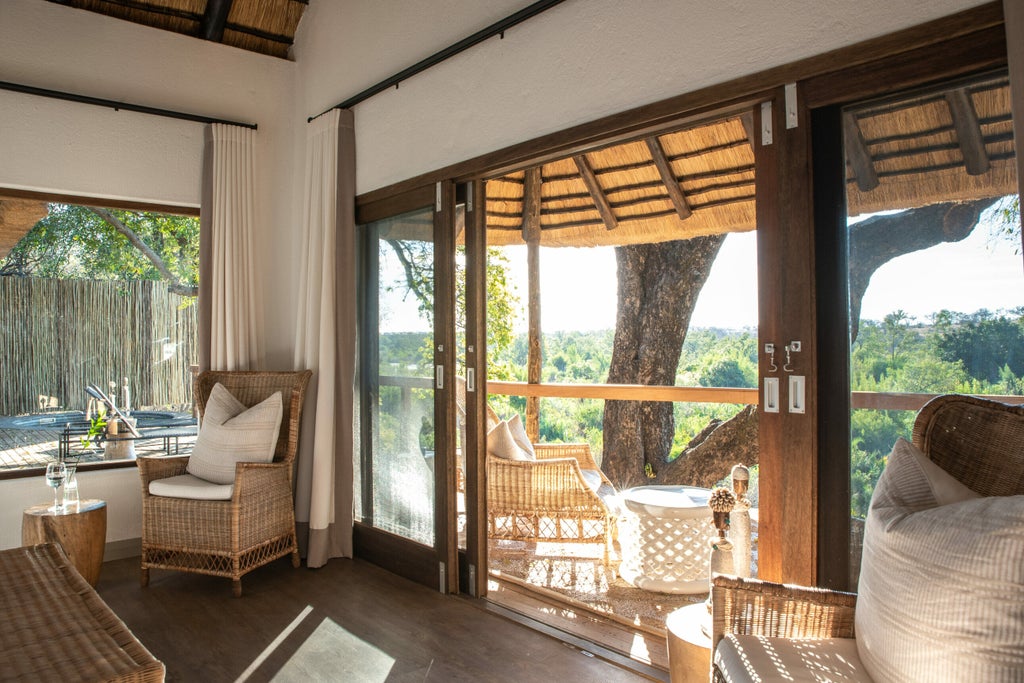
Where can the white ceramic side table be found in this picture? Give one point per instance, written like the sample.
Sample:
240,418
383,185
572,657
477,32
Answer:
668,549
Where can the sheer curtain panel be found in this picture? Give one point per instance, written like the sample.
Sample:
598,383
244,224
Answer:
230,306
325,340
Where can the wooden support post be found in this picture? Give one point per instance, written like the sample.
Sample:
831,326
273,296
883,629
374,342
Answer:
531,234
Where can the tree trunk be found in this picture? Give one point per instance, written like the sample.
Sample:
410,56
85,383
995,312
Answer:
710,456
658,286
879,239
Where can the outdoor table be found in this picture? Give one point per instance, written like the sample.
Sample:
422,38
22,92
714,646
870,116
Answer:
668,550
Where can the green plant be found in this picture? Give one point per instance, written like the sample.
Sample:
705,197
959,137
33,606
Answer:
97,429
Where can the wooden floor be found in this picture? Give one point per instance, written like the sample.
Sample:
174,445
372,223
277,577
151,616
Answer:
348,621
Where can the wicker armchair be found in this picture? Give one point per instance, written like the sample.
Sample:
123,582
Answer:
228,537
976,440
548,499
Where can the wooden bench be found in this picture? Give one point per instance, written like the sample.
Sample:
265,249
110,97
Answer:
55,627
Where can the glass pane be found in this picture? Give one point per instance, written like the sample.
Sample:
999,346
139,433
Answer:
936,281
402,459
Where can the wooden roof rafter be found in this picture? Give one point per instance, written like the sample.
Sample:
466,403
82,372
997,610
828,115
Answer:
668,176
857,154
596,192
968,130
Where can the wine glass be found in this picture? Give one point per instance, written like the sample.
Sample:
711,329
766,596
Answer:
56,472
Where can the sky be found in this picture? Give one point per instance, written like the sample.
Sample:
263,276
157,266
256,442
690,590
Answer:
579,285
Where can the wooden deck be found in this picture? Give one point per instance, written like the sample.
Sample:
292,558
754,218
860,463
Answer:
33,448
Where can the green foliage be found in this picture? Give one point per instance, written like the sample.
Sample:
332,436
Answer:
978,353
74,242
417,259
985,344
1007,225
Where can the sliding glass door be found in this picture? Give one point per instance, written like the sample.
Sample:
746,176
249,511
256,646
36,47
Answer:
404,496
936,287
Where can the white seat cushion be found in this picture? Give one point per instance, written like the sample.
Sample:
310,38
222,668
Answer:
188,486
231,433
743,659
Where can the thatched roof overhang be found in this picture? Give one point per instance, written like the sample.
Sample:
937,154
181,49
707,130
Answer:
946,145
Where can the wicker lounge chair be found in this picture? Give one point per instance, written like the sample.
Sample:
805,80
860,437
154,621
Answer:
549,499
975,440
257,525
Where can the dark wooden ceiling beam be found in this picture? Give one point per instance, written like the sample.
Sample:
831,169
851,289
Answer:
594,188
968,131
214,20
531,205
857,154
668,176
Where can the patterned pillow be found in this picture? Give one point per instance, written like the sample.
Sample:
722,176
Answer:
501,444
515,427
941,593
230,433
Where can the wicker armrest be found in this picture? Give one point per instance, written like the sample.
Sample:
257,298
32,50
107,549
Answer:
257,479
755,607
152,468
580,451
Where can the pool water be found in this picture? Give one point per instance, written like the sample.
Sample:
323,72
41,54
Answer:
56,421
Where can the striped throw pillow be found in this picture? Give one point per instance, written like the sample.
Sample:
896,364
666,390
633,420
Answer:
231,433
941,593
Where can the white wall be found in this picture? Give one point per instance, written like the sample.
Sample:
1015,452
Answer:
56,146
578,61
120,488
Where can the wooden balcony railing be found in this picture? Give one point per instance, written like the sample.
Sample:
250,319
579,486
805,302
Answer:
870,400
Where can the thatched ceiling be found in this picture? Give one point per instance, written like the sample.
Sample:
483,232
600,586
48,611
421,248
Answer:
17,216
264,26
954,144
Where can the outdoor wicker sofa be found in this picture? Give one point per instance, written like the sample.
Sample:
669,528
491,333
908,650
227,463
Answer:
55,627
561,497
981,444
228,538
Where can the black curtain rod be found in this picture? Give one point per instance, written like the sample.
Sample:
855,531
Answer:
494,29
127,106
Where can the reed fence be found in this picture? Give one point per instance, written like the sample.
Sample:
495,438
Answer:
58,336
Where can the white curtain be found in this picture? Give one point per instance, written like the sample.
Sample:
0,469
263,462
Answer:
325,340
230,306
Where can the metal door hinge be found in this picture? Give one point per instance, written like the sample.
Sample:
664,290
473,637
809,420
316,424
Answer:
792,120
766,123
469,196
437,197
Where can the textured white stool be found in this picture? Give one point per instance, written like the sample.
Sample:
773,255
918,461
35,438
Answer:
668,551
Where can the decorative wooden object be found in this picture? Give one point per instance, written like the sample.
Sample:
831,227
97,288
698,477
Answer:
81,531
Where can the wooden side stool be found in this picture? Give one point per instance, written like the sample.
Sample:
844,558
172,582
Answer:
81,530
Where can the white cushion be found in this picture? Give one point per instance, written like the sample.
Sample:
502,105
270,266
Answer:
501,444
230,434
743,659
515,427
592,478
941,592
188,486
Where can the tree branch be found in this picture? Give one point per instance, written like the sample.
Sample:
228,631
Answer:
173,285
